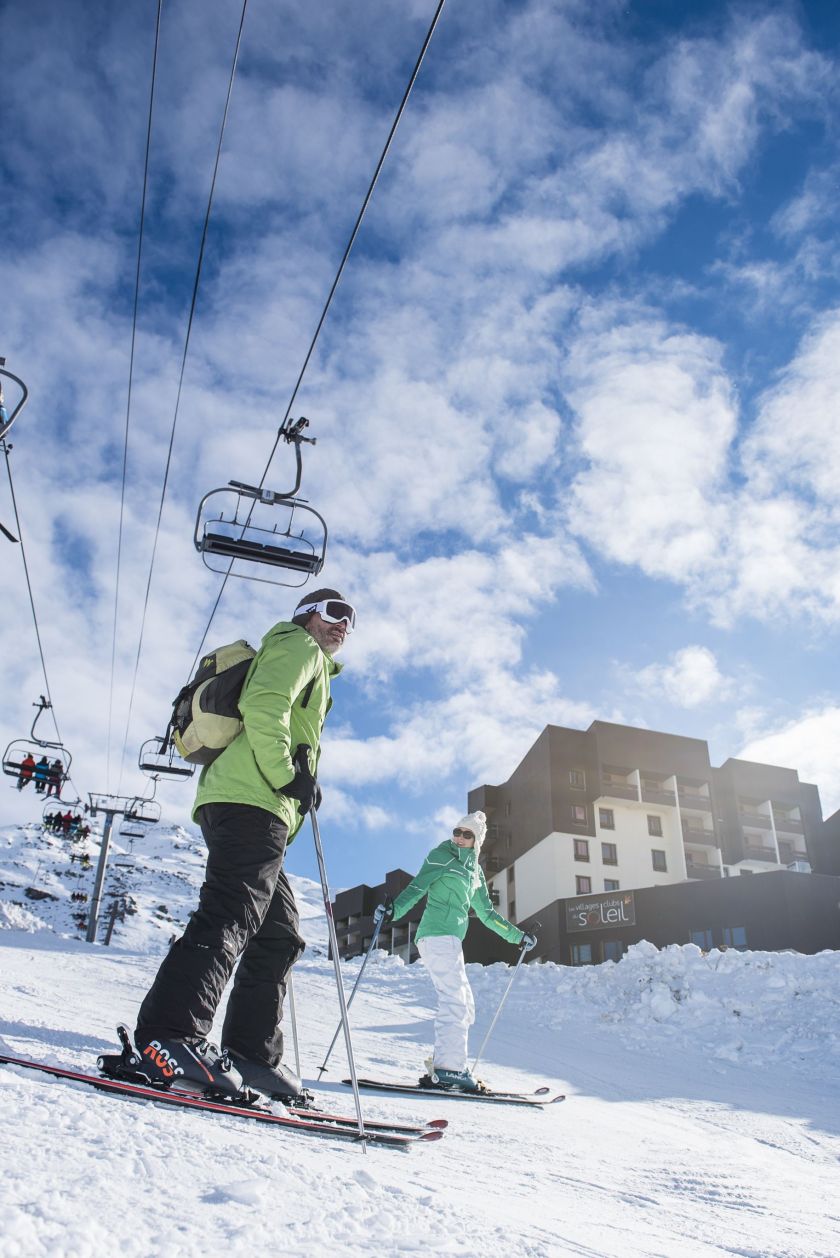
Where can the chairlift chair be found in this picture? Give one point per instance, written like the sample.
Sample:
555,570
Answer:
227,530
19,748
7,417
158,758
143,811
132,830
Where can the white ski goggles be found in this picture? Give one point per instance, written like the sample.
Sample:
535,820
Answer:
332,610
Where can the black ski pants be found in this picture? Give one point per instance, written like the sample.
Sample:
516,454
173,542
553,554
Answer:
246,910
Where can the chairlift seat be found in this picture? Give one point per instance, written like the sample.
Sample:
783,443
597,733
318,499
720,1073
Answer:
262,552
172,770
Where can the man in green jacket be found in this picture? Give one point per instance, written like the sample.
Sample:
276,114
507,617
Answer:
453,882
250,803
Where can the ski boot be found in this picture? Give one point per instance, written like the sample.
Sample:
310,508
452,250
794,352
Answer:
278,1082
455,1080
164,1063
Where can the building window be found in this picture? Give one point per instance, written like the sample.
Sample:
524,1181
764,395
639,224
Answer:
609,853
582,954
735,937
581,849
583,884
655,826
703,939
659,862
612,950
611,884
579,814
577,779
606,816
511,910
511,875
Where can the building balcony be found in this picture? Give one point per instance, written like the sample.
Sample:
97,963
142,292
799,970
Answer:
695,870
757,820
788,854
650,796
788,825
498,834
616,790
752,853
699,835
699,803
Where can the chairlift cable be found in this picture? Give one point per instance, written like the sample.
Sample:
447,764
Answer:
31,597
181,376
130,383
330,295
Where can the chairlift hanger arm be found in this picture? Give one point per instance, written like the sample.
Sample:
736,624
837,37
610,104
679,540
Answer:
44,705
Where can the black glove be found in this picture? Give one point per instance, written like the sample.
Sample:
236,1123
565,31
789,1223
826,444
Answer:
304,789
528,942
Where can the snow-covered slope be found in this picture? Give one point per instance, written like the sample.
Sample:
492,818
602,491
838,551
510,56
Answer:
703,1115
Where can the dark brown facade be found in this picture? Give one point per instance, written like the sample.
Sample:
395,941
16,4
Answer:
769,913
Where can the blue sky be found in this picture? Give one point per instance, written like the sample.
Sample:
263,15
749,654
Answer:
576,399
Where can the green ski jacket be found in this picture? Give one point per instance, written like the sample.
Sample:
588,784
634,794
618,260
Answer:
284,702
446,879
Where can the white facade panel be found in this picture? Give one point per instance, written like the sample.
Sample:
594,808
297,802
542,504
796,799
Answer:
549,871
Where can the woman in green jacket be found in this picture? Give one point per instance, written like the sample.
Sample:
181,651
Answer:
453,882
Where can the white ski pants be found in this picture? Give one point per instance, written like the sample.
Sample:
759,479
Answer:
443,957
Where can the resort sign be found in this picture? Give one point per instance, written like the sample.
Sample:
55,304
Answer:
594,912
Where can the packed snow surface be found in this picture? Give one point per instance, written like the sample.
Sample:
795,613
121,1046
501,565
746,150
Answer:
703,1110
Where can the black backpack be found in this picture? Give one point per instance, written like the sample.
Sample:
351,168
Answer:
205,715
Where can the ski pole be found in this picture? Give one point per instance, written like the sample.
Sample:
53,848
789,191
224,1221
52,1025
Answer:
292,1014
371,947
301,763
519,960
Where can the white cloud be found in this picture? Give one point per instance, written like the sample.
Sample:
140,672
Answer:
811,745
477,733
656,416
690,679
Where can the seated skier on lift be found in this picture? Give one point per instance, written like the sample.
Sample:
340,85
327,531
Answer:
27,768
454,882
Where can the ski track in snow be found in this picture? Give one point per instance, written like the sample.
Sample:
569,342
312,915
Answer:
702,1119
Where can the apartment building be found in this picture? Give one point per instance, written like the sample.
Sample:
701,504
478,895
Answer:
605,836
614,808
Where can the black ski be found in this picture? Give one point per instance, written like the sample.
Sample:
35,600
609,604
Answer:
340,1128
541,1097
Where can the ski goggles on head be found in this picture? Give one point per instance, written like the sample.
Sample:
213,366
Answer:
333,610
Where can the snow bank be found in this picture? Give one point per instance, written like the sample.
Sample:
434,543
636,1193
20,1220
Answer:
754,1007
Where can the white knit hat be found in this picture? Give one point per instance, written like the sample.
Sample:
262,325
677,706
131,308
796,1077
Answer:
476,823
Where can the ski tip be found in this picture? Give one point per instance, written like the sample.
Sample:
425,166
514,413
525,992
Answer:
439,1123
436,1134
